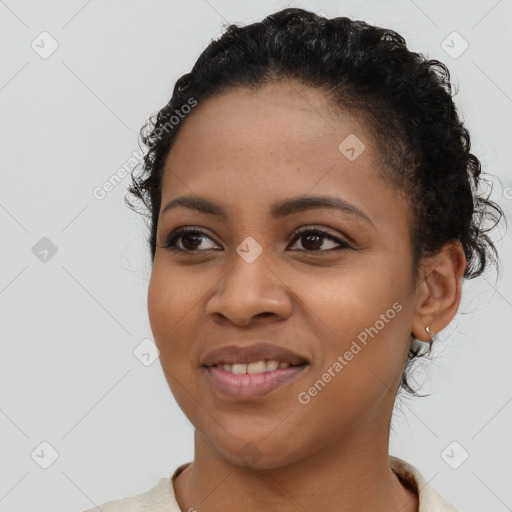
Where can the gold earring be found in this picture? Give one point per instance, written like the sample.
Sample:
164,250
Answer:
430,333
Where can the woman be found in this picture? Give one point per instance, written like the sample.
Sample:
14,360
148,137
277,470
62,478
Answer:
314,210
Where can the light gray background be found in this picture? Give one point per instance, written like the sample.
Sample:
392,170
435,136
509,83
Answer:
70,325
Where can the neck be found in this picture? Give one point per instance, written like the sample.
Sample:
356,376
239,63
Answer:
353,475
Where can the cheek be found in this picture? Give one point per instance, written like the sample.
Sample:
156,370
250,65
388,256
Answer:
174,299
170,297
364,318
167,307
358,375
348,301
158,302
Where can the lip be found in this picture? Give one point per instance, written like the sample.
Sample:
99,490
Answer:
251,386
232,354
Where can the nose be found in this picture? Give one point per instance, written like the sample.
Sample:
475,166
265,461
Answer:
250,293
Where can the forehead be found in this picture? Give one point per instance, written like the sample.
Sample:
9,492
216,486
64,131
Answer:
287,117
284,139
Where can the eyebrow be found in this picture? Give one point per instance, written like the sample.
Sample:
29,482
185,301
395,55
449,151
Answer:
278,210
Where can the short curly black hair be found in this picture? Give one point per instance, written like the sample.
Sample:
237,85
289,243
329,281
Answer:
403,99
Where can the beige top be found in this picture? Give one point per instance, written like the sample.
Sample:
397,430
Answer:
161,497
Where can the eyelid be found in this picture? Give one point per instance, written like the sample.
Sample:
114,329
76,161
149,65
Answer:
312,228
170,240
174,235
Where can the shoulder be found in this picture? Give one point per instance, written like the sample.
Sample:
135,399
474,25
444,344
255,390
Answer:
429,499
160,498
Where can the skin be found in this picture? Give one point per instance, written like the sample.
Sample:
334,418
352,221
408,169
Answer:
246,150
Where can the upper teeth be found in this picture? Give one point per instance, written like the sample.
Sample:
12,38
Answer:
252,368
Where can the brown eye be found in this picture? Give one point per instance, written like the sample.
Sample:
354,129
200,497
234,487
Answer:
314,239
190,237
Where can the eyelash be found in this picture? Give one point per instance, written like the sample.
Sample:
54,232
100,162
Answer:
170,242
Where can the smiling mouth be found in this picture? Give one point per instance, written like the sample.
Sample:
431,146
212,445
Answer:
251,381
254,368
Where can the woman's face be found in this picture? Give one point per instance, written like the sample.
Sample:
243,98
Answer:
343,301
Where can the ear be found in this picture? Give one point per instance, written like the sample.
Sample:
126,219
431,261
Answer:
439,290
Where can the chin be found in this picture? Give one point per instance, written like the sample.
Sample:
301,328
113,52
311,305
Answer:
253,455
